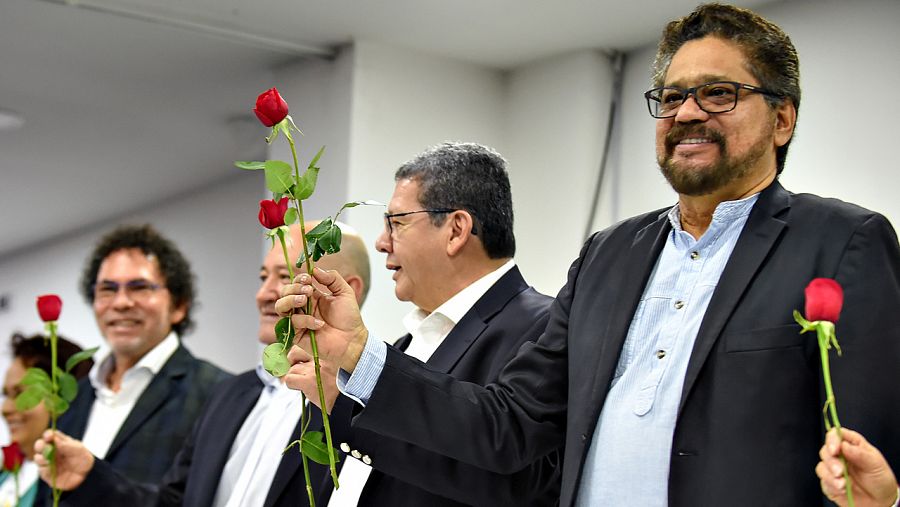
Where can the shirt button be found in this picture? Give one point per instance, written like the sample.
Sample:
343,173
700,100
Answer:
695,256
660,354
679,305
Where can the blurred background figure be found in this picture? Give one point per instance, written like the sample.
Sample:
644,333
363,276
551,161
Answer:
25,427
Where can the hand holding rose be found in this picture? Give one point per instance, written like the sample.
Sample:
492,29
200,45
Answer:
302,377
874,484
73,460
340,331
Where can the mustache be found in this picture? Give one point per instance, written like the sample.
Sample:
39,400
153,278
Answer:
680,132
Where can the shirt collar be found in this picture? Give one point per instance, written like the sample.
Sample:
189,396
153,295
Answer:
455,308
152,361
726,212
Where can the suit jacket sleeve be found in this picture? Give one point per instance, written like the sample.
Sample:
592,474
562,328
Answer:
535,484
520,419
865,375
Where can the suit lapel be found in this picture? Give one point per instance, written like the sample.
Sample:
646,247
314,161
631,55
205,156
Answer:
156,394
756,240
475,321
219,433
644,252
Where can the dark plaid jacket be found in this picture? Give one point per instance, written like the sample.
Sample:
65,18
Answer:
163,416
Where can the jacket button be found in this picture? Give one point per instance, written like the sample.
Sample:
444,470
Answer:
356,454
366,459
345,447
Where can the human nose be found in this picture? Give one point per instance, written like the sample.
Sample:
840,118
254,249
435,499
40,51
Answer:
690,110
383,242
9,405
122,297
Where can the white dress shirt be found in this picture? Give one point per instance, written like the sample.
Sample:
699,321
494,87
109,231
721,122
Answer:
111,408
28,475
256,452
428,332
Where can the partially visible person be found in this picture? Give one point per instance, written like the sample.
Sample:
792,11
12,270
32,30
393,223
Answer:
233,457
26,427
140,400
874,483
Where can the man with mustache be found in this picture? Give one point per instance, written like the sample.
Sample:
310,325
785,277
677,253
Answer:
671,371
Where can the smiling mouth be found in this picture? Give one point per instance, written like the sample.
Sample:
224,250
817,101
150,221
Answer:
695,140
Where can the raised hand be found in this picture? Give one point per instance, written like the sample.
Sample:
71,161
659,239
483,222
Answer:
302,377
340,331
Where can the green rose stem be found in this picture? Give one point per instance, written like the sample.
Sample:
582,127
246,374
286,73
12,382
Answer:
312,334
304,416
51,328
825,334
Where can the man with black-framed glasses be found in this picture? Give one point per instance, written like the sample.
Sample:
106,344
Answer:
140,400
448,237
671,372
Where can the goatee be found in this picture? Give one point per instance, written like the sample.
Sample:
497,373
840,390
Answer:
697,181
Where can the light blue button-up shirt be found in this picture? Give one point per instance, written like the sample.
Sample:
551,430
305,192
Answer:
628,461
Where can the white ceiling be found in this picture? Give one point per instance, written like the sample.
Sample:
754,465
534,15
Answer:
129,102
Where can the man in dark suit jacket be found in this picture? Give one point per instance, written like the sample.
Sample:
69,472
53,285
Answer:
449,239
736,390
141,289
210,462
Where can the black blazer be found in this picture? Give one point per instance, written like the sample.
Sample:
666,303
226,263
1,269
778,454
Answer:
193,478
509,314
161,419
750,421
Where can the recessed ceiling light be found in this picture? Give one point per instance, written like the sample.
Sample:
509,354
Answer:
10,120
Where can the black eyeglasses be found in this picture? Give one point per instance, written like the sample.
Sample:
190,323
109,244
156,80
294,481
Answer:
136,290
715,97
389,225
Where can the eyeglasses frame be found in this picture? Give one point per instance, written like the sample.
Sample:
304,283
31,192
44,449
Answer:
693,91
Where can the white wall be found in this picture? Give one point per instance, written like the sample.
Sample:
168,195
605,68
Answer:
403,102
845,142
554,128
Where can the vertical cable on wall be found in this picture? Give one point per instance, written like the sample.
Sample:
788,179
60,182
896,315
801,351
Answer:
618,64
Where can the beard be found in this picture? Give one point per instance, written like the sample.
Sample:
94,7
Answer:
697,181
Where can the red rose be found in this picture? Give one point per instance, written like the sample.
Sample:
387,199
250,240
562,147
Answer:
270,108
12,457
271,213
824,298
49,306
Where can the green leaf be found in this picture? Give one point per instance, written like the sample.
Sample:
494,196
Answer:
284,332
30,398
315,160
79,357
331,241
307,184
250,166
300,260
313,446
55,405
275,360
278,176
290,216
37,377
68,386
320,229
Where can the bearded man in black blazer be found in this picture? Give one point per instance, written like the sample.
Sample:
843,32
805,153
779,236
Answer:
671,371
448,236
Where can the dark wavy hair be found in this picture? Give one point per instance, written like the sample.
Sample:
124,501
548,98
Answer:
34,352
470,177
771,55
173,266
